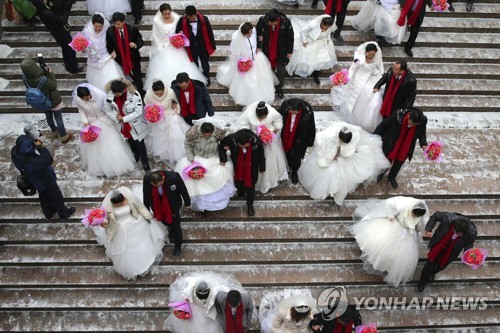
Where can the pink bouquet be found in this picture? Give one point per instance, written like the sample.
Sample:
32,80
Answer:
367,328
179,40
434,151
153,113
182,310
265,134
94,217
79,43
195,171
340,78
89,134
244,65
440,5
474,257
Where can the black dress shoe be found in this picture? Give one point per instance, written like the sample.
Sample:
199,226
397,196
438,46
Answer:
295,178
316,77
379,177
338,37
208,83
71,211
469,7
78,70
394,183
409,52
146,166
251,211
314,6
421,286
137,21
279,93
177,252
451,9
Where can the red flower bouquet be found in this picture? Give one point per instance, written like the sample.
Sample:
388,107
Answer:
195,171
367,328
79,43
179,40
244,65
94,217
89,134
153,113
434,151
265,134
340,78
440,5
474,257
182,310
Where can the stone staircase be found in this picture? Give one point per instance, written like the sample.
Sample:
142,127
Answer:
54,276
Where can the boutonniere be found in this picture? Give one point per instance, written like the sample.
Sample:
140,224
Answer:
173,187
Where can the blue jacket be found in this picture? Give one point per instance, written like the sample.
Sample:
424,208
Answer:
37,167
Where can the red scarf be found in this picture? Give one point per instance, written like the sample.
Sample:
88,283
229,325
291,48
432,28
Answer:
244,167
126,128
234,325
402,147
406,10
161,207
331,4
186,30
441,252
188,109
289,136
343,328
273,44
125,54
390,93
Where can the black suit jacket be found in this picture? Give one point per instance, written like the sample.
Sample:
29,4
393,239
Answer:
204,105
134,36
173,186
405,96
306,130
258,158
390,129
198,40
285,36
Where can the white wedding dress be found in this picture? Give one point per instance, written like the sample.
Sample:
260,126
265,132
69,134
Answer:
101,67
273,302
204,317
387,234
109,155
276,164
323,174
382,18
258,83
165,61
356,102
165,141
108,7
318,54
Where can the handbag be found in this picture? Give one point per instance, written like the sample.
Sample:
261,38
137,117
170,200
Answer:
25,186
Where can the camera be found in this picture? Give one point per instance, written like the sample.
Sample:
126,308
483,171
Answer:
32,132
41,62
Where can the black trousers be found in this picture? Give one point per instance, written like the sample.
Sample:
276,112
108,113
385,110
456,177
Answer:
69,55
137,77
139,150
52,202
414,29
249,191
294,158
429,270
200,56
340,16
396,166
137,6
280,74
175,229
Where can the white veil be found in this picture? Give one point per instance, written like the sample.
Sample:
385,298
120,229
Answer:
360,54
89,32
158,33
98,95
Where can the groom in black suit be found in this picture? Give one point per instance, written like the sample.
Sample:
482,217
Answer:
123,42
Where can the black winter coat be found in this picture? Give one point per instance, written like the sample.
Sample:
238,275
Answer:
204,105
37,167
198,40
134,36
405,96
173,186
258,158
446,221
306,130
55,17
328,325
285,37
390,129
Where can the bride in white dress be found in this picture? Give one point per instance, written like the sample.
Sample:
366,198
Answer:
200,290
101,67
382,17
343,157
313,48
358,105
109,155
132,237
165,61
215,189
262,114
388,235
108,7
165,142
256,84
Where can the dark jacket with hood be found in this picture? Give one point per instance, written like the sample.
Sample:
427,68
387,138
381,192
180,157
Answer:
33,74
37,167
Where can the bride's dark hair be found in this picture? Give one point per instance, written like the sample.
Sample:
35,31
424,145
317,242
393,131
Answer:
164,7
345,136
82,92
370,47
419,212
97,19
327,21
261,110
117,197
246,28
158,86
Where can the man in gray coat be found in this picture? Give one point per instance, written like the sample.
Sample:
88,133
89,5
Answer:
235,311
